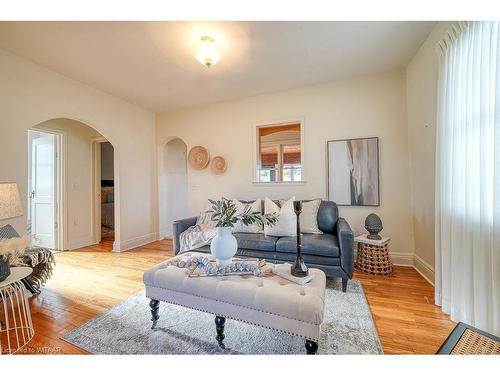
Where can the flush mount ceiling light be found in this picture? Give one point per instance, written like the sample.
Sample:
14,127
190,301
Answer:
207,53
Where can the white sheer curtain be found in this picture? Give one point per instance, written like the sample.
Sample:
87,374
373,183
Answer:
468,176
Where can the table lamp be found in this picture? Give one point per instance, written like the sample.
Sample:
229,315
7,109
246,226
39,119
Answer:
10,203
10,207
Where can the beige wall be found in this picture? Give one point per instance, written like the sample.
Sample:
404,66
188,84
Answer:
421,83
31,94
361,107
172,176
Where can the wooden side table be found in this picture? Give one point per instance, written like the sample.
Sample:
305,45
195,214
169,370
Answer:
16,327
373,255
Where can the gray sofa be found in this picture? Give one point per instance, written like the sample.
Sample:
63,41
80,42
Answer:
331,251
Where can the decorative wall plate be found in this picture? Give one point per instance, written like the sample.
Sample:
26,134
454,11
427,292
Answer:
218,165
198,157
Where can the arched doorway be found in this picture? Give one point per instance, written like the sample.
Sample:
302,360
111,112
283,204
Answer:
66,203
172,181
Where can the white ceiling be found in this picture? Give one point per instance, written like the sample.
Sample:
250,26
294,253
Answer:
152,64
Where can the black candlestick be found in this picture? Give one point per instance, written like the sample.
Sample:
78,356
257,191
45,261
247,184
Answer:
299,268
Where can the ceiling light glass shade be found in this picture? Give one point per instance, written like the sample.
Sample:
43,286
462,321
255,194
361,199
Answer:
207,53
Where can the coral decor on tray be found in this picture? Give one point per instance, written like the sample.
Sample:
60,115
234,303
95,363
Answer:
224,212
204,266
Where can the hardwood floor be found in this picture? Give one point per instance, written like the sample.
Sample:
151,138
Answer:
404,312
89,281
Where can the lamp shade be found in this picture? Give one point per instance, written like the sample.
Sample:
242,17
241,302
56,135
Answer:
10,203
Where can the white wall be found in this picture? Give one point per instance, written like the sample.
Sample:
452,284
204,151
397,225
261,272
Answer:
173,179
361,107
78,180
422,80
31,94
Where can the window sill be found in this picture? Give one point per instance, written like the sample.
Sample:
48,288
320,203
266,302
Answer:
283,183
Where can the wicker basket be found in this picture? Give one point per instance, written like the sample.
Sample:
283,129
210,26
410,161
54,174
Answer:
374,259
475,343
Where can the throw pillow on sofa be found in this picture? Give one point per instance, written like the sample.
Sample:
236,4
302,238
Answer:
204,218
8,231
287,220
255,206
309,217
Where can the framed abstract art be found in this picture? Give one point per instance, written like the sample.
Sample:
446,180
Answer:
353,172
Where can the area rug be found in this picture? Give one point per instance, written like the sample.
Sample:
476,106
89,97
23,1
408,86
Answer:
348,328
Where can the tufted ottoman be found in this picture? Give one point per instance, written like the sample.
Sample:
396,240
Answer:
270,302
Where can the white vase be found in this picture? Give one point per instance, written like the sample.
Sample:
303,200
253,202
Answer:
224,246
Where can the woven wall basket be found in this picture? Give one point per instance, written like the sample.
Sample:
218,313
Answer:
198,157
218,165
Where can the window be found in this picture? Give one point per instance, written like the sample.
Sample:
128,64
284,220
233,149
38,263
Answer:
279,153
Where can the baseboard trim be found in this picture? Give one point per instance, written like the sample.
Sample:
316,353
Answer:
164,234
424,268
132,243
402,259
413,260
81,242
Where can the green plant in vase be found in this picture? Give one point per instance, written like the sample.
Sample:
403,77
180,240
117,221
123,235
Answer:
225,214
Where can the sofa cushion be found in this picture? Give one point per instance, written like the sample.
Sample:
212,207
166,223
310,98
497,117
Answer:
255,241
314,244
328,214
311,260
309,217
8,232
287,220
241,207
260,254
205,217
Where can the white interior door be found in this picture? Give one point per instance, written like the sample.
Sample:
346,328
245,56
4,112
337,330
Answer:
43,191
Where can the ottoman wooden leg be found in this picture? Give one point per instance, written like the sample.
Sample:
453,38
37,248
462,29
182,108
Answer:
155,307
311,347
219,326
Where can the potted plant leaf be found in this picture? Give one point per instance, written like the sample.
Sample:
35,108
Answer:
224,213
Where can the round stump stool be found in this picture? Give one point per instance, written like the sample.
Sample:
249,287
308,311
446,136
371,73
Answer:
16,327
373,256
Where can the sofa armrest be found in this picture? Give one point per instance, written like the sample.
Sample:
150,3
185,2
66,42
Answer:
180,226
346,242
